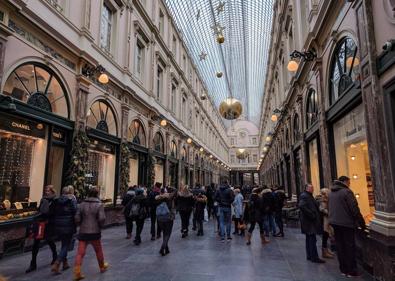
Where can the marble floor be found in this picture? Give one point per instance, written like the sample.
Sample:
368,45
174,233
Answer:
191,259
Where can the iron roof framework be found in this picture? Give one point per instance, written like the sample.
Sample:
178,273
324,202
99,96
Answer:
242,57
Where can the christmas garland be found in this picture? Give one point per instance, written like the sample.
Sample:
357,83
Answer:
125,166
77,168
150,171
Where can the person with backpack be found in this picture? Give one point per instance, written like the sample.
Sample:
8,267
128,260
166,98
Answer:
125,203
45,217
224,196
200,205
279,196
152,207
91,217
165,215
185,203
253,214
138,212
65,208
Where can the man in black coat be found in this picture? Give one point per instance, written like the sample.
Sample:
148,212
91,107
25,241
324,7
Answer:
279,199
310,222
345,217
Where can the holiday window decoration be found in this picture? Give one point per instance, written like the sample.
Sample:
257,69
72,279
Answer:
125,167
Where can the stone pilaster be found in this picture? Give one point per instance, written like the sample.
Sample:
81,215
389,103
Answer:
81,105
125,122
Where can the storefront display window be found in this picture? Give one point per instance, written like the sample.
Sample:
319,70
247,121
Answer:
352,158
23,148
39,86
101,169
159,171
314,166
311,108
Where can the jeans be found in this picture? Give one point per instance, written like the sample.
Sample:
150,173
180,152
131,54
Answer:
311,247
153,222
252,227
96,244
345,247
272,224
139,229
225,221
166,227
279,220
65,244
194,219
199,226
129,225
36,248
266,224
185,217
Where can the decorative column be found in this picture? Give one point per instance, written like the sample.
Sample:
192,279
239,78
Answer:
166,168
81,105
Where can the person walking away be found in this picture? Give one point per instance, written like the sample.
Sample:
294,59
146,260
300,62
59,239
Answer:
267,203
195,191
200,205
328,230
216,215
138,212
125,201
210,200
253,214
90,217
279,199
345,217
45,216
224,196
310,222
165,215
152,205
185,203
238,211
65,208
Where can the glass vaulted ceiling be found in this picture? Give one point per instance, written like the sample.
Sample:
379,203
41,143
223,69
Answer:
242,57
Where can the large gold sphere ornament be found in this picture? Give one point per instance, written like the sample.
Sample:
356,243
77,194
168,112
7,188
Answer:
220,39
219,74
242,153
230,109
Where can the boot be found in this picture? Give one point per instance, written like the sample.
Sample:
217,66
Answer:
129,236
55,267
248,238
77,274
103,267
325,254
32,267
264,240
65,265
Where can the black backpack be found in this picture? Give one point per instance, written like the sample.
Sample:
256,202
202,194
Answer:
137,211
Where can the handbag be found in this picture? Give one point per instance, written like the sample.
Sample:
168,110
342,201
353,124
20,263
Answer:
40,232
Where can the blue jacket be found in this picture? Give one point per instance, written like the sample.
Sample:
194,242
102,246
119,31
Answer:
238,206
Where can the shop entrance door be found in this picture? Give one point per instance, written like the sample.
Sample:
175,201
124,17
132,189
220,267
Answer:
55,167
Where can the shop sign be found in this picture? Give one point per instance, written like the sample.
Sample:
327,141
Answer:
58,135
101,146
22,126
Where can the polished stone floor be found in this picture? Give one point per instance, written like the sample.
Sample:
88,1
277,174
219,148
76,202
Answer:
191,259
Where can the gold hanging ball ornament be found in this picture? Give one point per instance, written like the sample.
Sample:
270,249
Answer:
230,109
242,153
219,74
220,38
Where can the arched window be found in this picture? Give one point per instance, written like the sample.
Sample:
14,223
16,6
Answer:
173,149
101,117
296,128
196,160
311,108
137,133
184,154
344,68
158,143
39,86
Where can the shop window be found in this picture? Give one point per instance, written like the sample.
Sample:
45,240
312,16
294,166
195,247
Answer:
311,108
106,28
296,129
101,117
344,69
352,159
173,98
100,169
173,149
158,143
314,176
139,60
37,85
137,133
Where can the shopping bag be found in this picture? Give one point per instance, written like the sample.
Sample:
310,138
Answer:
205,215
40,232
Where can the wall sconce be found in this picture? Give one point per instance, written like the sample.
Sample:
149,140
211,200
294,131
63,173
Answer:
353,157
357,195
265,149
89,71
276,112
211,156
201,149
189,141
293,64
355,176
163,122
269,136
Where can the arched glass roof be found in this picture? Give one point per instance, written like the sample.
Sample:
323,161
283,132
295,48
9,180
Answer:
242,57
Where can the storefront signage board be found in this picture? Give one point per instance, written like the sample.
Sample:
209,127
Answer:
22,126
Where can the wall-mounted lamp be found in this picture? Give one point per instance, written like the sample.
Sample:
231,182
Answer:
293,64
353,157
276,113
163,122
201,149
189,141
90,71
265,149
211,156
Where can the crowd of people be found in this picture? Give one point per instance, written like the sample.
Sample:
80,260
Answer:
334,214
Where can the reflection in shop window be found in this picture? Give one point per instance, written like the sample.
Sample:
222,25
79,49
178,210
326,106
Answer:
352,158
101,117
137,133
314,166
